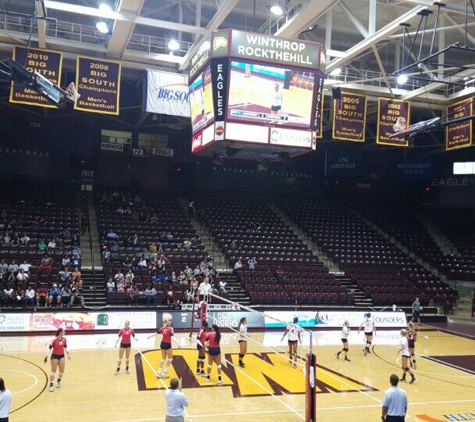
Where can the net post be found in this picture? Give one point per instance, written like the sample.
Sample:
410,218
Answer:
310,383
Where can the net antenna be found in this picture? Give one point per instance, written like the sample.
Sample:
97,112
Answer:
71,93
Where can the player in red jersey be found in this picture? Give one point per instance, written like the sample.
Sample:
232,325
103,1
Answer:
125,345
200,345
58,346
214,352
166,346
411,342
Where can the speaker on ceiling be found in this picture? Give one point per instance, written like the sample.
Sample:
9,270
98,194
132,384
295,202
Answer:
336,92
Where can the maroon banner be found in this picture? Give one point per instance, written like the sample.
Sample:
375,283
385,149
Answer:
47,63
391,113
98,82
318,124
459,135
349,117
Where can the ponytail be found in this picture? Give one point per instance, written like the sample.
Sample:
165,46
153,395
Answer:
218,333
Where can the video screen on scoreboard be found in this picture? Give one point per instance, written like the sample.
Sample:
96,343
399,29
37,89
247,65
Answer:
271,95
201,100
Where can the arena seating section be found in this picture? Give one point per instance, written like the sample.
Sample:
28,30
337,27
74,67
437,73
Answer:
380,269
259,233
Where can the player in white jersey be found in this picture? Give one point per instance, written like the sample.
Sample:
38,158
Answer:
369,330
293,330
345,332
406,356
242,328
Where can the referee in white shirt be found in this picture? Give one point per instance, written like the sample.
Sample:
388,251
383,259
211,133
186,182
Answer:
394,402
176,402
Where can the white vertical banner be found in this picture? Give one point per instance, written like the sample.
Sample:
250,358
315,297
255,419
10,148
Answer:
167,93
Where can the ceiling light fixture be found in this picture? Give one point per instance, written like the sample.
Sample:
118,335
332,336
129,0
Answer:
102,27
173,45
104,7
277,10
402,79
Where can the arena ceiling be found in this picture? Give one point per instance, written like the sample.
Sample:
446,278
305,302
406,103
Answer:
362,37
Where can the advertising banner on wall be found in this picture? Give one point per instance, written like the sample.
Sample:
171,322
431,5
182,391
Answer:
47,63
341,164
167,93
389,113
98,83
459,135
414,170
349,117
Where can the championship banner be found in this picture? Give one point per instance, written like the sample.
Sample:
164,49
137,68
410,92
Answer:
98,83
390,113
349,117
46,63
459,135
167,93
320,98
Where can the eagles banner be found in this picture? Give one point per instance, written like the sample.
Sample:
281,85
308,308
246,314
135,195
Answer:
391,113
98,83
167,93
47,63
318,124
349,117
459,135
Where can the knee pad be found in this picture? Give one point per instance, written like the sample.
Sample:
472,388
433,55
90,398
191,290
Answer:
52,373
210,366
120,360
201,360
219,366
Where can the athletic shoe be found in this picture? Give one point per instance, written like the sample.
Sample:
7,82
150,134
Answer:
337,355
51,389
127,371
347,360
413,379
415,366
165,375
117,372
204,374
208,379
198,372
364,351
295,365
58,385
403,380
159,375
220,382
242,365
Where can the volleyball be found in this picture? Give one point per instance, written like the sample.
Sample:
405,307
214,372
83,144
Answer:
426,337
167,317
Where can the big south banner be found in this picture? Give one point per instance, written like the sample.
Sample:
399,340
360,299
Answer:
167,93
98,83
349,117
459,135
47,63
389,112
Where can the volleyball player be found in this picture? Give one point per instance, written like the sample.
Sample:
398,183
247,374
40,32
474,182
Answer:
369,329
276,100
166,347
125,345
214,352
57,346
406,356
411,342
345,332
242,328
293,330
200,345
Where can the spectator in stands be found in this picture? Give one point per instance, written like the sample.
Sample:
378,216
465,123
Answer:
173,278
182,278
189,295
222,286
153,218
233,245
25,239
106,254
42,296
8,295
187,244
191,207
127,264
119,276
77,253
66,261
169,237
251,263
152,247
76,273
21,276
132,294
42,245
195,243
112,235
6,238
84,223
280,274
13,267
197,271
29,298
120,286
3,265
25,266
142,262
77,283
237,267
204,290
129,276
51,244
74,240
110,285
76,296
66,293
188,271
170,298
120,210
54,295
150,295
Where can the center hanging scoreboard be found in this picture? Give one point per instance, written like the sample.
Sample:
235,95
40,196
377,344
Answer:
256,89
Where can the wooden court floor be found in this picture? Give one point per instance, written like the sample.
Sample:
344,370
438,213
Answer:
268,389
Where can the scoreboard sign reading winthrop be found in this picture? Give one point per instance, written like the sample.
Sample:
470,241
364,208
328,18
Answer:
242,82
